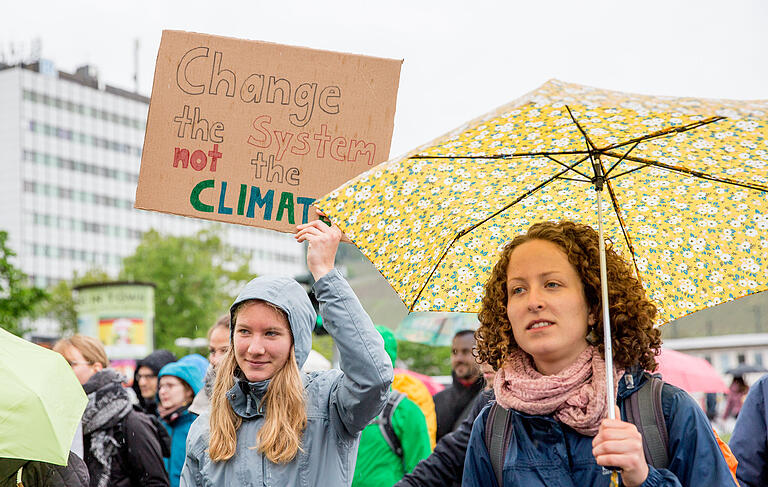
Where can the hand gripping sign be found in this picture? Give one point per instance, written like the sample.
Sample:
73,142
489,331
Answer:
252,132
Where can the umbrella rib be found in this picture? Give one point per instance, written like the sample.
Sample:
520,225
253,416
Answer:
569,168
627,172
599,177
692,172
460,157
631,248
667,131
621,159
575,179
468,230
590,145
556,176
507,156
637,140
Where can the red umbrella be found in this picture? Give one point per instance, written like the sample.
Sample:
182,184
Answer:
692,374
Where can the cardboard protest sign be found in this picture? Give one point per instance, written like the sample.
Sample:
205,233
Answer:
252,132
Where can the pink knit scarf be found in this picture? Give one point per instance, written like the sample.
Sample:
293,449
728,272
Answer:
575,396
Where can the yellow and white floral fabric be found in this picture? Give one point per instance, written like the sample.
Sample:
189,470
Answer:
694,203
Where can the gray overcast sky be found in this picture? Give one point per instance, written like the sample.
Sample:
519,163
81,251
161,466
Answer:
461,58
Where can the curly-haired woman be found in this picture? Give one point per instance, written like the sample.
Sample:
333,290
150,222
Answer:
269,424
541,329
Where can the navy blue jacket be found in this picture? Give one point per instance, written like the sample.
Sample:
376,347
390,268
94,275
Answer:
544,452
749,442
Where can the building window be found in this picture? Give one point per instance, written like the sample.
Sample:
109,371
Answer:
83,138
73,107
725,360
65,223
71,194
758,358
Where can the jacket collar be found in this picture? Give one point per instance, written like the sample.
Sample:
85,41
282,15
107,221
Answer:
246,398
472,388
633,378
176,415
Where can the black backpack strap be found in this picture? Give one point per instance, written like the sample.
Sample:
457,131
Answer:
385,422
162,436
498,433
120,435
464,414
644,410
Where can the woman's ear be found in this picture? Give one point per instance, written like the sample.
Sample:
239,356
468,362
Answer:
591,320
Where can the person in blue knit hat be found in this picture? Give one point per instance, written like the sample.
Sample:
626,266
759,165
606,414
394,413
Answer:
178,382
198,361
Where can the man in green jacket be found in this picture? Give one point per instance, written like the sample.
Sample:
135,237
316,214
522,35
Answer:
378,464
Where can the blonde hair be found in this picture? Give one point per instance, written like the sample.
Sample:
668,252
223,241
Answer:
91,348
279,439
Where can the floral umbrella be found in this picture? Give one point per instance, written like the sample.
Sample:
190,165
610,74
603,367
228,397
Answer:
686,195
679,186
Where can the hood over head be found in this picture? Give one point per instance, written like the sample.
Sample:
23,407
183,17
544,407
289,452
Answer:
289,296
156,360
390,343
186,371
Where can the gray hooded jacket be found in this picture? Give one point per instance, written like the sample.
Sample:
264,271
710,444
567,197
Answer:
340,403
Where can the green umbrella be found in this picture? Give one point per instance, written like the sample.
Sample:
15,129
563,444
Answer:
41,402
436,329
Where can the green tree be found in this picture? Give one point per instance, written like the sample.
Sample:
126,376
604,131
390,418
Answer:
18,300
195,277
60,304
425,359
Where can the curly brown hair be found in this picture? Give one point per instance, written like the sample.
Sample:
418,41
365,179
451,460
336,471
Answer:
635,341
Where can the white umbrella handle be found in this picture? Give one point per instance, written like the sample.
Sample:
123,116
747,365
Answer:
610,399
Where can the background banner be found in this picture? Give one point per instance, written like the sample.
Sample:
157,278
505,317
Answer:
120,314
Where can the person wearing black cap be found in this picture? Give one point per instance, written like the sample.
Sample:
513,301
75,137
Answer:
145,379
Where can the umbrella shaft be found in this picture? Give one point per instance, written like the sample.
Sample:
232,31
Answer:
606,316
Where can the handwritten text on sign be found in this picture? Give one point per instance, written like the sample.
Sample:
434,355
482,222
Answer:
252,133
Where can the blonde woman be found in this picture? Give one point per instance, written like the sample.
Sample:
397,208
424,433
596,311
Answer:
269,424
122,446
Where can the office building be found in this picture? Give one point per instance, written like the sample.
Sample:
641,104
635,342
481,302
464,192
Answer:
71,150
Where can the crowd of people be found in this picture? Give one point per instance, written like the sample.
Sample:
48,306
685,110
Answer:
526,407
